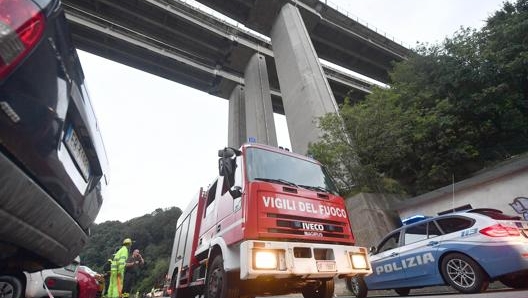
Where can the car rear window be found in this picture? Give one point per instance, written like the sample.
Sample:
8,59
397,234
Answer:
454,224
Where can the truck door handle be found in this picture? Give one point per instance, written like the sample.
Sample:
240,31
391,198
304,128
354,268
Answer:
394,254
432,243
218,228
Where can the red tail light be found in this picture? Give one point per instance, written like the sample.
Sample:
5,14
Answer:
500,231
21,26
50,282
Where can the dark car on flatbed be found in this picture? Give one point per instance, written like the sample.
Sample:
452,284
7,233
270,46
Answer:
52,159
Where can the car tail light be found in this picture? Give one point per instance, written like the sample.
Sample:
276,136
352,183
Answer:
50,282
21,26
500,231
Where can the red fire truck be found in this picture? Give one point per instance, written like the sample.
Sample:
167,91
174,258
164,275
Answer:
272,223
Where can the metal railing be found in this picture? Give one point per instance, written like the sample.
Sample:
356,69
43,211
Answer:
222,18
343,11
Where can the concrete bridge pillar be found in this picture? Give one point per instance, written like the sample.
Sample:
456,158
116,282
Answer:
236,132
260,124
250,108
306,94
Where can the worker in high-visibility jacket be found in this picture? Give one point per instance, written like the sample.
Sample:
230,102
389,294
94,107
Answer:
117,270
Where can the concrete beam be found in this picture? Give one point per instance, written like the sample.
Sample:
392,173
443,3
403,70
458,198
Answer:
141,33
306,94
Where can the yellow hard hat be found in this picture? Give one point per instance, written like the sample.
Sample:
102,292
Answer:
127,241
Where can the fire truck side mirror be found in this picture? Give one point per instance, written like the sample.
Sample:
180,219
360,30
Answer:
236,192
225,167
228,152
226,163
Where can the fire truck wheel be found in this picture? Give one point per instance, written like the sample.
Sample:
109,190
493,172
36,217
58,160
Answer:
357,286
217,284
180,293
325,290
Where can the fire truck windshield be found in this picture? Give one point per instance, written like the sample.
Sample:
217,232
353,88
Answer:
271,166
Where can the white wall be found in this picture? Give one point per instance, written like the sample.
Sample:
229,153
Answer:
497,193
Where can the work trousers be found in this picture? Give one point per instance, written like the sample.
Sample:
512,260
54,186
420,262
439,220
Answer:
116,285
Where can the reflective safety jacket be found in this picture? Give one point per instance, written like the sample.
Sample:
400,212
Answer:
118,263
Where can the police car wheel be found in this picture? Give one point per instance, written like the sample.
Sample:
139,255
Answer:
403,291
357,286
464,274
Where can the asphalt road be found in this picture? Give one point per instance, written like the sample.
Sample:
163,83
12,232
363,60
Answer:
496,290
502,293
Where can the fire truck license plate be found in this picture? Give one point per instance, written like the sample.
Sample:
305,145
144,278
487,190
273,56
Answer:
326,266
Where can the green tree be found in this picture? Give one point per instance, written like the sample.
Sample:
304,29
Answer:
451,109
355,156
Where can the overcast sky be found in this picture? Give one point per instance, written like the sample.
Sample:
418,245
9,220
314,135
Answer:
162,138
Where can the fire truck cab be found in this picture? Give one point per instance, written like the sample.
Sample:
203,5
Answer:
272,223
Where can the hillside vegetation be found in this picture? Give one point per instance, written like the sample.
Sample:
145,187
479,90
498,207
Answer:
153,235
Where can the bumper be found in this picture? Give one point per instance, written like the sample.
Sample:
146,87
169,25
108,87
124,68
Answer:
306,260
32,222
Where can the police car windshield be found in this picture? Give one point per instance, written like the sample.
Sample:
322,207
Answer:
268,165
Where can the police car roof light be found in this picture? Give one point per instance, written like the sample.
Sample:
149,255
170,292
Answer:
415,218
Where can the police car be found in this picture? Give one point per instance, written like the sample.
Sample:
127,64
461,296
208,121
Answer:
465,250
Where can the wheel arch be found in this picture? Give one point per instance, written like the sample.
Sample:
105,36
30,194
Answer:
22,277
174,275
230,254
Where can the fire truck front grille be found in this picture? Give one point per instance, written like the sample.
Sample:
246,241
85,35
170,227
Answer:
290,232
306,225
288,225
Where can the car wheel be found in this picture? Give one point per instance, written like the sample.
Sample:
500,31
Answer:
516,282
464,274
10,287
217,283
325,290
403,291
357,286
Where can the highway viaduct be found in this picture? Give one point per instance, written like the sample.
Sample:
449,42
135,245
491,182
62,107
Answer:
278,70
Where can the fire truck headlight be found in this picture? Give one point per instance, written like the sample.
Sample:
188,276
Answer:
265,259
359,261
